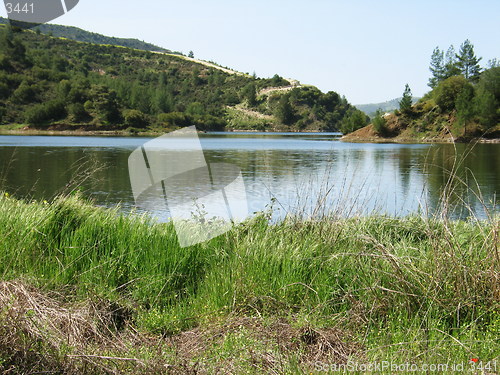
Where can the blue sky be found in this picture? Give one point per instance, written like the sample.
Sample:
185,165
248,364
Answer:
365,50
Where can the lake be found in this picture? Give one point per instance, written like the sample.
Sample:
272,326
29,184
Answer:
311,174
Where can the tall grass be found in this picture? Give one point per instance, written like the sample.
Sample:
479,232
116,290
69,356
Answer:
411,289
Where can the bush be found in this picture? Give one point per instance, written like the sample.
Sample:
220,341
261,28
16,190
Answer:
487,108
209,122
24,94
135,118
284,111
41,113
174,119
379,123
195,109
5,63
77,112
354,120
447,92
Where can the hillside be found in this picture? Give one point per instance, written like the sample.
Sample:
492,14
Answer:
463,104
59,84
75,33
441,117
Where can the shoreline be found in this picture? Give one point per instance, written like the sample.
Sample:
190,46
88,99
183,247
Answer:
127,133
396,140
346,138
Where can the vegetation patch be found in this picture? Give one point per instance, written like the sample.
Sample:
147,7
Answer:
51,83
90,290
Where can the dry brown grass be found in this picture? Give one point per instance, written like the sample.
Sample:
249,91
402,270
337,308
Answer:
278,340
52,334
43,333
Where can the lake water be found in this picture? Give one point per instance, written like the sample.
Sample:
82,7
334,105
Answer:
306,173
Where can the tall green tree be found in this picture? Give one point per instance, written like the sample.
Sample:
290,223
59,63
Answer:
436,67
250,94
284,110
379,122
406,102
162,101
353,120
450,64
105,104
487,99
467,62
465,106
487,108
447,92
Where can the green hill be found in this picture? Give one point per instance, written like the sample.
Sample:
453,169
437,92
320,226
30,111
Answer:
463,104
80,35
60,84
456,110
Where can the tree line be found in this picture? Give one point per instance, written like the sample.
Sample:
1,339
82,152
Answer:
47,81
462,90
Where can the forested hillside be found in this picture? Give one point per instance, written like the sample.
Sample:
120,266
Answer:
56,83
463,104
75,33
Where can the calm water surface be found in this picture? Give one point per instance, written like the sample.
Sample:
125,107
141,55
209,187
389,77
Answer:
306,173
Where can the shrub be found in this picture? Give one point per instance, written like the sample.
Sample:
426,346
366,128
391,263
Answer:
135,118
5,63
77,112
447,92
24,93
354,120
284,111
209,122
173,119
379,123
487,108
195,108
40,113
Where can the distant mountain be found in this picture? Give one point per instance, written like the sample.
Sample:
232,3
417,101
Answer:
387,106
80,35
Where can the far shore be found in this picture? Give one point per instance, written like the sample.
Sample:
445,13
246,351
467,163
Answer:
349,138
124,132
424,140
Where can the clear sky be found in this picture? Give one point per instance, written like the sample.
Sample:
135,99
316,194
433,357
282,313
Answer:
365,50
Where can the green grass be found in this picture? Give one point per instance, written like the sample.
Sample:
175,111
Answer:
411,289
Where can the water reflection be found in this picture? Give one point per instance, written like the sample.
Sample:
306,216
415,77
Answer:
308,173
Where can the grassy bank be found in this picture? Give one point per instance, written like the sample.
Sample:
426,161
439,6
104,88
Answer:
87,290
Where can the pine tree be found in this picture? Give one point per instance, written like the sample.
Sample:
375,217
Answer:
406,102
467,62
379,122
450,65
284,110
486,107
436,67
250,94
464,106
